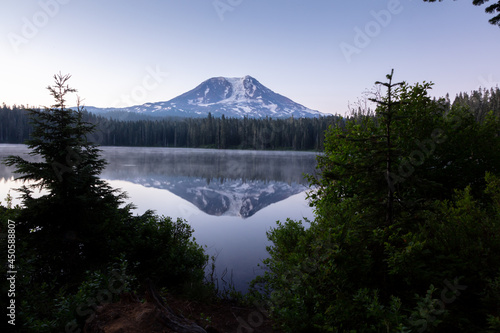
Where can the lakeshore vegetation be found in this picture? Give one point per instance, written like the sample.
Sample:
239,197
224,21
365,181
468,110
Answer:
406,235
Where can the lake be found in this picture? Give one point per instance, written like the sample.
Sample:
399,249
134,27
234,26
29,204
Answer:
230,197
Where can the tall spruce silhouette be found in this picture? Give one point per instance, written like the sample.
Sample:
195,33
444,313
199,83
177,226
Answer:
71,221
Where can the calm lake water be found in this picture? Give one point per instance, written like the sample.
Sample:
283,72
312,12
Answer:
230,198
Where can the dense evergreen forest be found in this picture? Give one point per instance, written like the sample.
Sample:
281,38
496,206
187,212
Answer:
220,133
209,132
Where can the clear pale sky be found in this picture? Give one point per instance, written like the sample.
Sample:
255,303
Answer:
321,53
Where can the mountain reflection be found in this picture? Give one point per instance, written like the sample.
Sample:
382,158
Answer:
236,183
218,182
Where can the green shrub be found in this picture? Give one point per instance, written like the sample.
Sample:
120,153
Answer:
45,309
395,247
163,249
442,278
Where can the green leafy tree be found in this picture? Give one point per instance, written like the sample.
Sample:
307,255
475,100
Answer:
163,249
366,265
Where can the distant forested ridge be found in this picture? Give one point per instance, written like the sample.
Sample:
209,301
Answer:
220,133
212,132
14,124
480,102
209,132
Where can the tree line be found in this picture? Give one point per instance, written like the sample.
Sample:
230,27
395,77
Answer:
209,132
219,133
213,132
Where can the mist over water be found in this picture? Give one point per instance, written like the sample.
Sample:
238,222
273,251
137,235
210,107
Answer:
230,197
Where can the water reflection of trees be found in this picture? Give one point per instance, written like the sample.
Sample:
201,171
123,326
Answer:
211,165
8,149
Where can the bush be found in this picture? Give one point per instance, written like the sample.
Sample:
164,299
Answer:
158,248
443,278
163,249
395,247
47,310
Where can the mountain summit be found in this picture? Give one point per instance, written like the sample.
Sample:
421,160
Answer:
232,97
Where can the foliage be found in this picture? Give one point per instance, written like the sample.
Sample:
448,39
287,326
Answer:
71,235
434,264
491,9
14,124
480,102
158,248
209,132
70,224
163,249
68,311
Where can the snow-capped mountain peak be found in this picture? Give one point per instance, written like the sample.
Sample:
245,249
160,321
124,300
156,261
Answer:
233,97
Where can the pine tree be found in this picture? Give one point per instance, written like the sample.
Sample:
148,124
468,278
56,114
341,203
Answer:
72,222
387,113
491,9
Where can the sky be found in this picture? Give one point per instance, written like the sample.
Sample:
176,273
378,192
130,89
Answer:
323,54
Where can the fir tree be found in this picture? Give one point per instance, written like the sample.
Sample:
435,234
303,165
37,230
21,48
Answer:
491,9
71,222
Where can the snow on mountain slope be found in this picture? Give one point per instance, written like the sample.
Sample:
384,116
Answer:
228,198
232,97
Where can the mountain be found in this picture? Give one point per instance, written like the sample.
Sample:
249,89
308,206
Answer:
232,97
230,197
220,183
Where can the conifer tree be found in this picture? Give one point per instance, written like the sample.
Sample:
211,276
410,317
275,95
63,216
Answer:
379,260
74,216
388,114
491,9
